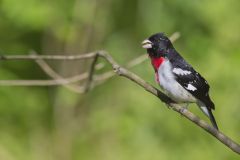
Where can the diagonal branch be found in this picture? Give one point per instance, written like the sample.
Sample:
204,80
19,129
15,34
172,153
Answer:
176,107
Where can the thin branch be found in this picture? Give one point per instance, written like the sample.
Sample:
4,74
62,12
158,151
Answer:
174,36
48,57
53,82
91,72
51,73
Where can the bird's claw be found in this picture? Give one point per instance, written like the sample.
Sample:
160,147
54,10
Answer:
168,106
183,109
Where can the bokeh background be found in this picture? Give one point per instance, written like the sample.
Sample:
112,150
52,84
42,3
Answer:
117,120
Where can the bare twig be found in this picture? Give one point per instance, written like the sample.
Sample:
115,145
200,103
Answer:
91,72
174,36
48,57
53,82
51,73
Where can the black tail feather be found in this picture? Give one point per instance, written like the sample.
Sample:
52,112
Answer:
207,110
212,119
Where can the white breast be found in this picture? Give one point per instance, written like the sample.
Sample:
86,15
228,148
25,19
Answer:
171,86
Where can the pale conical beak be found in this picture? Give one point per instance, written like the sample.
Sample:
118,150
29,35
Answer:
147,44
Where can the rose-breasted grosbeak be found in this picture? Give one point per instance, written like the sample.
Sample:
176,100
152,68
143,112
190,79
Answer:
176,77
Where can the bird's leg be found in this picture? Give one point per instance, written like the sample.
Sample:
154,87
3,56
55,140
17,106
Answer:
168,106
186,106
156,77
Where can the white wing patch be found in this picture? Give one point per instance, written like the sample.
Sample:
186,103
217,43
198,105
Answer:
191,87
179,71
171,87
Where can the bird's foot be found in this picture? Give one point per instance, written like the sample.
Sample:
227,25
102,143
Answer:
183,109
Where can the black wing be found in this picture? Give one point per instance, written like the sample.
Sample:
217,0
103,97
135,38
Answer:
192,81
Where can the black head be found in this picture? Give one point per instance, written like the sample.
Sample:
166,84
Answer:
157,45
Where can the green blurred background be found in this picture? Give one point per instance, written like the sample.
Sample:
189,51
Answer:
117,120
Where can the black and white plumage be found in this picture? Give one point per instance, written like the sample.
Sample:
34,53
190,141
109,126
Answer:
176,77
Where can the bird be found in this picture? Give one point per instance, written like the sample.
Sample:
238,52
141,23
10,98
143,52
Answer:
177,78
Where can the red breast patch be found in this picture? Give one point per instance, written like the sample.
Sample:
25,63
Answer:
156,62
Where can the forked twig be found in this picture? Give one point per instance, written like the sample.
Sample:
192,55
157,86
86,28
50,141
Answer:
51,73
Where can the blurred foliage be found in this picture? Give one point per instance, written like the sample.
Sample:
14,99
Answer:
117,120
